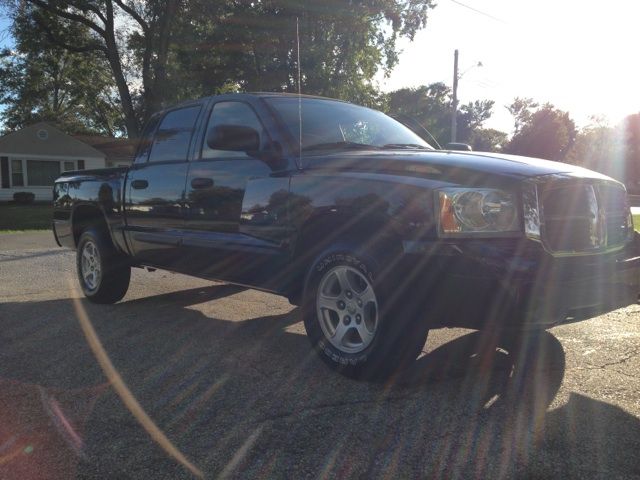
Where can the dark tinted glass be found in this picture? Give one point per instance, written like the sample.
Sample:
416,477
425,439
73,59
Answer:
4,171
144,146
173,136
231,113
42,172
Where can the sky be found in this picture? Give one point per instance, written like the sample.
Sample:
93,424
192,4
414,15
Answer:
582,56
5,38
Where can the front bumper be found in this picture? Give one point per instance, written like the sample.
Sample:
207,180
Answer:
516,284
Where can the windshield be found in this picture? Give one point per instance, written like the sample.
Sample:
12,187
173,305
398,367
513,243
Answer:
328,124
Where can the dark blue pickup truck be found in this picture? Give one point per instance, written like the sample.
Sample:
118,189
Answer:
351,215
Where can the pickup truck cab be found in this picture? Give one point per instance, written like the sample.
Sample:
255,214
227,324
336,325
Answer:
377,236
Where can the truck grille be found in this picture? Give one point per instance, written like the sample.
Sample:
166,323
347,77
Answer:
580,216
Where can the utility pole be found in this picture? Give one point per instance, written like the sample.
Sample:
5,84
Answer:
454,107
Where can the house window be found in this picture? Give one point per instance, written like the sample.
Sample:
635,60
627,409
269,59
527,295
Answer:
42,173
4,171
17,179
68,166
80,164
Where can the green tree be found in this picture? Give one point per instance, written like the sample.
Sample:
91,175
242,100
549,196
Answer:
614,151
42,82
430,106
632,152
139,79
162,51
595,148
471,117
545,133
488,140
253,47
522,109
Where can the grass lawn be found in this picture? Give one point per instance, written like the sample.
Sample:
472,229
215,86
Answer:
636,222
25,217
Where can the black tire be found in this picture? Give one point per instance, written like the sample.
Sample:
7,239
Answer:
111,270
398,340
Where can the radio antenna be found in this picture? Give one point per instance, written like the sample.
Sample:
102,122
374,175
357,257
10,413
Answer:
299,96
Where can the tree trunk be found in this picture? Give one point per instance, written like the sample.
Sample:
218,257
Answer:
113,57
157,91
130,119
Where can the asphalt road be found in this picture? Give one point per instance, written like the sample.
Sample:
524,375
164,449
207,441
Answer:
226,376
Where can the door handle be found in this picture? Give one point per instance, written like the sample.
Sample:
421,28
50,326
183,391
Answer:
139,184
202,182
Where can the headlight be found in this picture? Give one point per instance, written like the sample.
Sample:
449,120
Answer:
477,210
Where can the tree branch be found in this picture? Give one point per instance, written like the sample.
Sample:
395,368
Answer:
88,6
96,46
69,16
136,16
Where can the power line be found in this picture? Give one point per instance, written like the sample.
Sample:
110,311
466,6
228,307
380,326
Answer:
479,12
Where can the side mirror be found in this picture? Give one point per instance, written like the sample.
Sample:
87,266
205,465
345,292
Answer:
234,138
463,147
272,154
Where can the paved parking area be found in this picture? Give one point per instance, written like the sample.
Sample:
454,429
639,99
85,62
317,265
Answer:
214,379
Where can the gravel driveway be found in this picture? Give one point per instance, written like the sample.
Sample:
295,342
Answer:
227,377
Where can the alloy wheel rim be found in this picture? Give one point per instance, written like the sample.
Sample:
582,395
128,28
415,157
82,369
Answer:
347,309
90,265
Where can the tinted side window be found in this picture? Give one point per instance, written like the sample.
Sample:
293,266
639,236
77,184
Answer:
173,136
144,146
231,113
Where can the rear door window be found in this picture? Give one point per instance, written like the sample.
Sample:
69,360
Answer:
144,147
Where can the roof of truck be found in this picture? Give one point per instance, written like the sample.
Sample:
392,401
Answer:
252,94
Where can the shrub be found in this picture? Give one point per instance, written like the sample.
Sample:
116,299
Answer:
23,198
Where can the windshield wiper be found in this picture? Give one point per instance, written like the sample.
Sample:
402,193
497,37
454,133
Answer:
340,145
407,146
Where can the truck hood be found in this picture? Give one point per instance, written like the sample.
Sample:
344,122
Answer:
457,167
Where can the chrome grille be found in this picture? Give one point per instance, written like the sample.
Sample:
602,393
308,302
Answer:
583,216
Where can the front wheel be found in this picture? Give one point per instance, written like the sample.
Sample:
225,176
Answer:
350,319
103,272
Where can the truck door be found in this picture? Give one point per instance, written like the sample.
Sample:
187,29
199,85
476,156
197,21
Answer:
154,206
236,203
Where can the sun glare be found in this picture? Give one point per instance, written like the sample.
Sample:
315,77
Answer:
580,56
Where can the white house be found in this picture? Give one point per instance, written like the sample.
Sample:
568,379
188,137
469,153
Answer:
32,158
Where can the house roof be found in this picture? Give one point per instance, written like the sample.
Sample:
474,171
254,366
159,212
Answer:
112,148
44,139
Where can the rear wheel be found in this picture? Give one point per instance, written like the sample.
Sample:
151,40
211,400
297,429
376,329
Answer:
350,319
103,272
